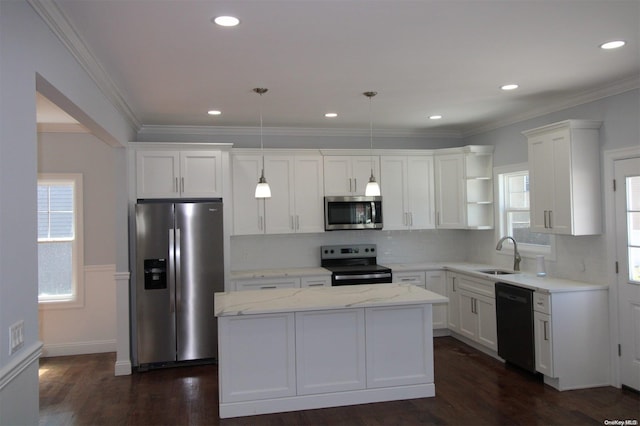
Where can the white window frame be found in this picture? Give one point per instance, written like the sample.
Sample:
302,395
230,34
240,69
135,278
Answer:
77,257
526,250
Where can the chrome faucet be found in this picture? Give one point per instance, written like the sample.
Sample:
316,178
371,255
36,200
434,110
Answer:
516,255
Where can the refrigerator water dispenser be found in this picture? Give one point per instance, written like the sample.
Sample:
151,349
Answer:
155,274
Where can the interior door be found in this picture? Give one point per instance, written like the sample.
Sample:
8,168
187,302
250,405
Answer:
627,200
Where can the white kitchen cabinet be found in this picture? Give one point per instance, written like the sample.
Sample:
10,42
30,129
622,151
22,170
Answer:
316,281
297,198
265,283
246,376
464,188
453,293
389,328
436,282
477,307
571,330
408,192
297,194
410,277
564,172
178,174
340,368
349,174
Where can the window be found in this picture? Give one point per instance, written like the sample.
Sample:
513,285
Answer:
60,239
633,227
514,214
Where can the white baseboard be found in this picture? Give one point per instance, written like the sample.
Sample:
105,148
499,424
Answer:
78,348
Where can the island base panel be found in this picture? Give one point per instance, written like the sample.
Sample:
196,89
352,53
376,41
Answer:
310,402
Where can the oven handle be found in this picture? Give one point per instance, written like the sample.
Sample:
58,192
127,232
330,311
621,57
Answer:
338,277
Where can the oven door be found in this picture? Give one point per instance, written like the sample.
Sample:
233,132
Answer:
359,278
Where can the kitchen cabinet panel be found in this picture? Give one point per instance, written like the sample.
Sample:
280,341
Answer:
477,310
178,174
248,212
349,174
436,282
453,293
564,170
342,368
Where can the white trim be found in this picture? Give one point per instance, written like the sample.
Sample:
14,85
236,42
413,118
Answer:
609,158
78,348
123,345
337,399
525,250
17,365
78,241
62,128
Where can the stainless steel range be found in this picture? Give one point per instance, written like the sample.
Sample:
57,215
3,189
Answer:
354,264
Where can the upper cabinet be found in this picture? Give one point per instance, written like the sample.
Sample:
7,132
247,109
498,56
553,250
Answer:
564,170
407,191
349,174
297,198
464,188
178,174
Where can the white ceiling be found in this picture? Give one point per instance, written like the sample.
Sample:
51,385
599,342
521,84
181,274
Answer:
170,64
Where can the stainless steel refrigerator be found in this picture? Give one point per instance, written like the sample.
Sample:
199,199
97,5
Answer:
179,264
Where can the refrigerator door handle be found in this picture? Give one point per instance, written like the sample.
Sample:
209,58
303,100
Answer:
172,272
178,282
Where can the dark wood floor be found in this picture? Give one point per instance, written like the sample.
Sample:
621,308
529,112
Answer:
471,389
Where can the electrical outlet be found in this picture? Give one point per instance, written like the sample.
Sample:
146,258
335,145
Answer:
16,336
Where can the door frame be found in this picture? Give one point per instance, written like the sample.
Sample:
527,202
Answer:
609,159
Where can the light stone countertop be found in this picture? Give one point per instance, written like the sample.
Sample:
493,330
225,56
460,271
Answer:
255,302
279,273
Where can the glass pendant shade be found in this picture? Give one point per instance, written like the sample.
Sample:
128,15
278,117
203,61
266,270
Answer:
262,188
372,189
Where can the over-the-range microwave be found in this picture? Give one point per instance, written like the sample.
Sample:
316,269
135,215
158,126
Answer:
352,212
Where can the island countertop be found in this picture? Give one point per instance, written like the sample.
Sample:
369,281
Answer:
255,302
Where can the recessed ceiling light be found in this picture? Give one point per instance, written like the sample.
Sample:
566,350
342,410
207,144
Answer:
226,21
214,112
331,115
509,87
435,117
613,44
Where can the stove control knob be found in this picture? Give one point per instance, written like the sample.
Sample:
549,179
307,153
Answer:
366,250
372,249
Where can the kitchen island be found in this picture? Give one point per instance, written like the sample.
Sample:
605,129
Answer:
305,348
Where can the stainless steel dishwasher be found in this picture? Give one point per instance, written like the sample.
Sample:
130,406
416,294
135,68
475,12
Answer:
514,317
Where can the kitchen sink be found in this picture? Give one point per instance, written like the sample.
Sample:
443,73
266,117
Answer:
495,272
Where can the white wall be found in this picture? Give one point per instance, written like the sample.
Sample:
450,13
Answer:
28,49
90,328
583,258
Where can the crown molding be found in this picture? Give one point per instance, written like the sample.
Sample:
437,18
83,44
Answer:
619,86
290,131
66,33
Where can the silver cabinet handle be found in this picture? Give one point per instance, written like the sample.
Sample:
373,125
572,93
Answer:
546,324
297,222
410,218
182,184
175,185
453,279
550,217
350,185
267,287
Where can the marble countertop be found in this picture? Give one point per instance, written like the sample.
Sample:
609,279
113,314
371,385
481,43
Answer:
279,273
255,302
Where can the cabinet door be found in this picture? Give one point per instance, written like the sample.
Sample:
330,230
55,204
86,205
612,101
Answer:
157,174
201,174
244,376
361,171
337,175
541,181
485,309
453,293
450,198
248,212
561,213
543,343
416,278
420,190
330,361
392,327
394,192
435,281
309,194
279,209
468,317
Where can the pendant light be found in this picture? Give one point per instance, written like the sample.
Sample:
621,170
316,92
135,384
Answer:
372,189
262,188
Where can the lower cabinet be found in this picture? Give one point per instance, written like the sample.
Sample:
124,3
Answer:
248,377
432,281
543,344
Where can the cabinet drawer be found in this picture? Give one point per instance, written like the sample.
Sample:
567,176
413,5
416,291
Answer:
542,302
320,281
481,287
267,283
415,278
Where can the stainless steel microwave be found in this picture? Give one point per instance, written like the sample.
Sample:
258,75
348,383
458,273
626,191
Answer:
352,212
